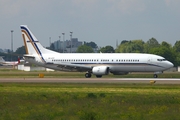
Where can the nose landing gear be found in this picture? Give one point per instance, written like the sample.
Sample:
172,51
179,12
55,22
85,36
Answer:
155,75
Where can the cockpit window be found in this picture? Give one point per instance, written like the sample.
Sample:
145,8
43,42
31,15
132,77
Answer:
161,59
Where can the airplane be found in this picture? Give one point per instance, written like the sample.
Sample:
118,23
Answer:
98,64
10,63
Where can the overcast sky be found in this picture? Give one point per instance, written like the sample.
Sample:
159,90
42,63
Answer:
100,21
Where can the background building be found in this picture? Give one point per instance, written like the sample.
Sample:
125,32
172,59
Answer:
66,45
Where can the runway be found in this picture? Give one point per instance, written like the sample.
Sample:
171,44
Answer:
91,80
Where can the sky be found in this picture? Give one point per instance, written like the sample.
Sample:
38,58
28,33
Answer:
101,21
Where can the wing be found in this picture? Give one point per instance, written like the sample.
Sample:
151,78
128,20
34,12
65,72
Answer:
60,66
69,67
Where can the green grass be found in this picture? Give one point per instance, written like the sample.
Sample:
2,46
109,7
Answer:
89,101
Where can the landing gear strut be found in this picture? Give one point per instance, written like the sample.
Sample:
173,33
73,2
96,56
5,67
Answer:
88,75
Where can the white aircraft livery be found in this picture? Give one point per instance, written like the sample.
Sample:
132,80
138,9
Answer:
92,63
10,63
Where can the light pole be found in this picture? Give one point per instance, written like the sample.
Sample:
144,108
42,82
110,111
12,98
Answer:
11,43
59,45
63,41
71,41
12,40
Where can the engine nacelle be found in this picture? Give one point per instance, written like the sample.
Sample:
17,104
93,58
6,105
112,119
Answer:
100,70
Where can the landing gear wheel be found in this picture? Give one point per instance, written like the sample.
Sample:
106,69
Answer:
155,75
88,75
98,76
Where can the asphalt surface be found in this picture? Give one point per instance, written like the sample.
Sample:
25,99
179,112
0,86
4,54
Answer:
91,80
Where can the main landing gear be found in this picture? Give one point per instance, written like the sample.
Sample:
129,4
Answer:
88,75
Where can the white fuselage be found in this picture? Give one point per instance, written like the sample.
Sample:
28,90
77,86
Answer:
117,62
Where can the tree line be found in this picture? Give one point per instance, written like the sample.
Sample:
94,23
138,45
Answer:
152,46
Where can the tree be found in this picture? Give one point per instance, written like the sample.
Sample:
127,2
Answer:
21,50
134,46
138,46
176,46
84,49
124,41
91,44
107,49
151,43
165,44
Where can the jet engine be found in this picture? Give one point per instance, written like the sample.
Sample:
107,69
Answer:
100,70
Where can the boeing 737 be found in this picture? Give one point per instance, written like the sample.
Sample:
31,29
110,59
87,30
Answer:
98,64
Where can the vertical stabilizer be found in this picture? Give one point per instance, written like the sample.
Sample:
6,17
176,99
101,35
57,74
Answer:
33,46
31,43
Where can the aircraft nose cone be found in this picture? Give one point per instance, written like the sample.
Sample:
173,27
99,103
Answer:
170,65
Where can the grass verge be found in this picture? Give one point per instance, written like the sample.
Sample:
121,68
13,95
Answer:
88,101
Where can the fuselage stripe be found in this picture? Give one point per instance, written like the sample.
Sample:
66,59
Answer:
99,63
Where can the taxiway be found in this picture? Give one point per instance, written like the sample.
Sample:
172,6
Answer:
91,80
